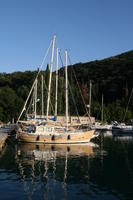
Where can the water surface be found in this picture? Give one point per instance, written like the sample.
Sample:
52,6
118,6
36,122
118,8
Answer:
101,170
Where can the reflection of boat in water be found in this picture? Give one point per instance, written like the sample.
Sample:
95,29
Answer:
105,133
43,152
122,137
67,177
52,165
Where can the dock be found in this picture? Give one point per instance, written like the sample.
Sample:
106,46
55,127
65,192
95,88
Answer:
5,131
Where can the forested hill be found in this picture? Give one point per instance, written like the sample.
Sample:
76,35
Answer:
112,77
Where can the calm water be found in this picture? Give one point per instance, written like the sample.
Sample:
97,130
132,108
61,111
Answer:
102,171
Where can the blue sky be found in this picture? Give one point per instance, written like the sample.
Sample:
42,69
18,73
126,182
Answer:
89,29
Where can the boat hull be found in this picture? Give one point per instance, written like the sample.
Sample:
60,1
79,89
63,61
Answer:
65,138
122,129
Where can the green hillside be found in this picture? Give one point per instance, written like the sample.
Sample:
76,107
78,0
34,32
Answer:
112,77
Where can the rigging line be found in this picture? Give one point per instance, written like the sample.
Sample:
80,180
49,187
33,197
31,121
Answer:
73,100
128,105
45,57
29,106
24,107
71,92
78,85
99,105
79,89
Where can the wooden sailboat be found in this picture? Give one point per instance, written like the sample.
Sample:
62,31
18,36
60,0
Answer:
55,132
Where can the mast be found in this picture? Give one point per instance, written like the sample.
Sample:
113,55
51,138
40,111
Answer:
42,99
102,110
127,105
90,98
56,82
50,77
35,98
66,90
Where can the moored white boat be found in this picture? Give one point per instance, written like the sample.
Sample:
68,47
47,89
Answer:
122,128
105,127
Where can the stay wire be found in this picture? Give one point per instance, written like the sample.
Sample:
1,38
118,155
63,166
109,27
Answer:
40,68
128,105
79,89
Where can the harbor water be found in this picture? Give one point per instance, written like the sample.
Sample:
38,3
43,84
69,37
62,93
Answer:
102,169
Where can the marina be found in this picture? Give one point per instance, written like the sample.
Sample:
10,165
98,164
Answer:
66,100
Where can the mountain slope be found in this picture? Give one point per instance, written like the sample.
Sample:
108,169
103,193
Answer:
112,77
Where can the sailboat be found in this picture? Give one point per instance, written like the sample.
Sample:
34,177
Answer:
103,126
52,130
123,128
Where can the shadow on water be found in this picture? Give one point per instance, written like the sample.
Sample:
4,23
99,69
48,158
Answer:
87,171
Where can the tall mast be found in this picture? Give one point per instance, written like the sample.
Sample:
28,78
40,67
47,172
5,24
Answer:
102,110
33,101
66,90
50,77
56,82
42,99
35,98
90,98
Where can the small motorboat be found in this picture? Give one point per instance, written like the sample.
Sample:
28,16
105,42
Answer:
122,128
